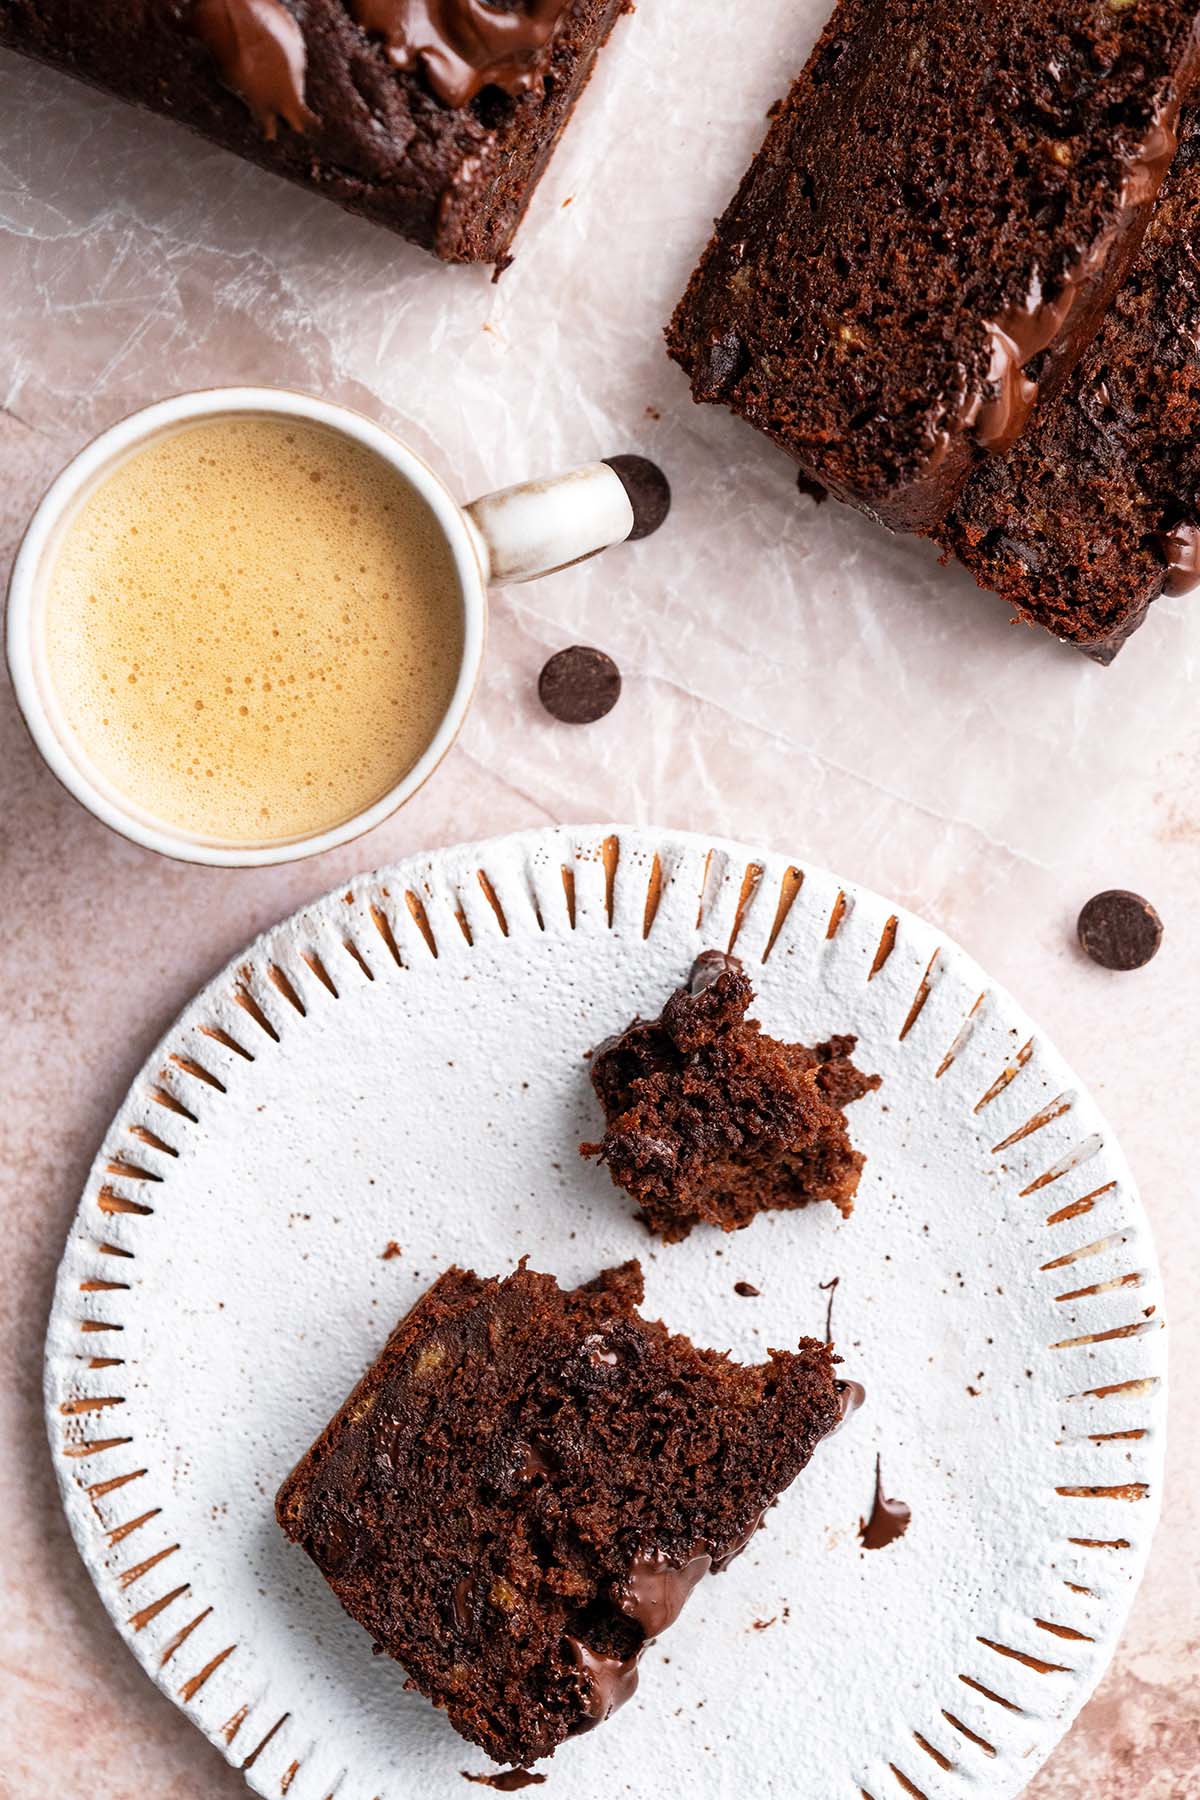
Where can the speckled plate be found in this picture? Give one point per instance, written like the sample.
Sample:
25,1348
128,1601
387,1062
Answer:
402,1064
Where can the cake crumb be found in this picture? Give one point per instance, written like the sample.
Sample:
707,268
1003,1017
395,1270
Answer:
390,1250
773,1119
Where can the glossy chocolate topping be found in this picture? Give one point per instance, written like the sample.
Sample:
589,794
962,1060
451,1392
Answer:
706,968
259,49
653,1594
1147,167
1020,333
889,1519
851,1395
1015,338
611,1681
654,1591
508,1781
1180,550
465,45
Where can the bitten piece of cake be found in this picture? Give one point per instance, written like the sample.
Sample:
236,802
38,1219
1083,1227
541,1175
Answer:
710,1121
524,1488
929,237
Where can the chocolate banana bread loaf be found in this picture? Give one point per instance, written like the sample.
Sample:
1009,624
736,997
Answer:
710,1121
435,119
1096,511
929,236
524,1488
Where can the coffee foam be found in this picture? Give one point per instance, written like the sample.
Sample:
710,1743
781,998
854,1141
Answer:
253,629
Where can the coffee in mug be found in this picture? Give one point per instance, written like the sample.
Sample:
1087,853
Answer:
246,624
254,628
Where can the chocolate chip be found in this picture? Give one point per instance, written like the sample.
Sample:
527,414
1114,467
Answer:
813,489
335,1543
746,1289
723,361
648,489
579,685
708,968
1119,930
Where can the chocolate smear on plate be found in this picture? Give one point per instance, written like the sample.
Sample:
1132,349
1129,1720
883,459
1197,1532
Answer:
889,1519
830,1288
508,1781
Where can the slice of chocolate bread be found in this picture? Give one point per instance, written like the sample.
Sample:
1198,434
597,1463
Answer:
931,232
524,1488
710,1121
1096,511
435,120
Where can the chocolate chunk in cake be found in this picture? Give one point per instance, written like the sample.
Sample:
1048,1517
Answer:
932,231
1096,511
523,1489
436,121
710,1121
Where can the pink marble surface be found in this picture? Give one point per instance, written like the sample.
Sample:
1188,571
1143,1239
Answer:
793,678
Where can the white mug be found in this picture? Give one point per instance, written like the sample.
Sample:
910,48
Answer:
515,534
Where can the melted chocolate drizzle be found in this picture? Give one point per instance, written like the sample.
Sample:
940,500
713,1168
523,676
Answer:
1146,168
851,1395
508,1781
259,49
1015,338
1180,550
889,1519
465,45
610,1681
654,1592
830,1288
1000,409
708,966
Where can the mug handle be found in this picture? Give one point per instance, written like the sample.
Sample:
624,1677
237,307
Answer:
540,526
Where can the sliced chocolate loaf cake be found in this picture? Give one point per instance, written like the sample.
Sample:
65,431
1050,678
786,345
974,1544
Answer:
710,1121
931,232
1096,511
527,1484
436,120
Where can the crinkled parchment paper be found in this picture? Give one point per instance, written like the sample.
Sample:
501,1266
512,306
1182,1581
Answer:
798,646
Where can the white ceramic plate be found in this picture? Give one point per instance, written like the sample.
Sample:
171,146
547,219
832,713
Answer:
403,1062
